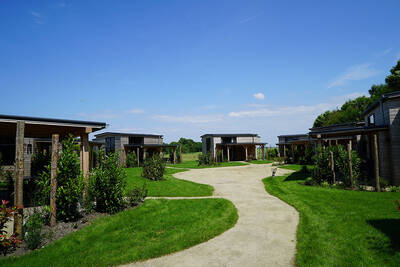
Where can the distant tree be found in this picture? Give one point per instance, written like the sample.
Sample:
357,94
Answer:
393,80
188,145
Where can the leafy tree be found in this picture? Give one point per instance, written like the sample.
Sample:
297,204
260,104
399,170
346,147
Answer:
393,80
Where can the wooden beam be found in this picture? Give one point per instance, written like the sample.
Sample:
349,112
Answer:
138,156
245,149
333,167
180,153
53,177
85,161
228,154
263,152
144,154
292,147
350,163
19,176
376,162
175,155
222,154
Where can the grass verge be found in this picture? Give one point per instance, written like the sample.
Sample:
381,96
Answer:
155,228
260,161
341,227
169,186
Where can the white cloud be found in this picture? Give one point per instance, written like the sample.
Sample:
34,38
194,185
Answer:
37,17
259,96
135,111
354,73
195,119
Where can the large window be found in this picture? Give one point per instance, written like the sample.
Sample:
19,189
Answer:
228,140
110,144
133,140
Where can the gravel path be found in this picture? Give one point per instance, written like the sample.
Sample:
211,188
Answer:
265,234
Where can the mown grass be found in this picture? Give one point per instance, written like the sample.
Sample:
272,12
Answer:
190,156
155,228
169,186
295,167
341,227
195,165
260,161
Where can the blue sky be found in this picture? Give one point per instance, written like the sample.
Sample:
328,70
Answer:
185,68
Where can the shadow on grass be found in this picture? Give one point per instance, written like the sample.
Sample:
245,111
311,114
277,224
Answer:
296,176
391,228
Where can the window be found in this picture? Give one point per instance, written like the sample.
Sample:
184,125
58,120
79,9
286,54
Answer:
110,145
208,144
228,140
136,140
29,149
371,119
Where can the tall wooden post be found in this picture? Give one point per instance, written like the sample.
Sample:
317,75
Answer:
91,162
349,163
144,154
292,147
138,156
222,154
263,152
255,152
376,162
284,152
247,157
180,154
53,177
174,155
85,161
333,167
227,153
19,176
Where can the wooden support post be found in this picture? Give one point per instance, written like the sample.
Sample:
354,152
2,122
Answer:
376,162
144,154
349,163
91,163
160,153
284,152
174,155
138,156
263,152
247,157
228,154
222,154
292,147
333,167
180,154
255,152
85,161
53,177
19,176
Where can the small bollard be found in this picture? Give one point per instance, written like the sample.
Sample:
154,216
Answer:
274,171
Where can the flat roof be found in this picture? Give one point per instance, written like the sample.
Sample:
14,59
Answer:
294,135
232,135
39,120
127,134
383,98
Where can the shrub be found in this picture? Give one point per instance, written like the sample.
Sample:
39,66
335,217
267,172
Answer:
136,195
40,161
7,244
107,184
322,171
325,184
153,168
393,189
131,160
33,230
206,159
342,165
69,182
309,181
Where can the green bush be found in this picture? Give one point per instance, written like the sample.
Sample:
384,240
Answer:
33,230
394,189
322,170
342,165
131,160
309,181
69,182
107,184
40,161
136,195
153,168
206,159
383,182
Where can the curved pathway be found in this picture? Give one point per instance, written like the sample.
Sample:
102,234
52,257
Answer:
265,234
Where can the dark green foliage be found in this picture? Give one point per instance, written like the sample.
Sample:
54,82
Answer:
153,168
136,195
69,182
393,80
40,161
107,184
322,171
131,160
307,157
342,165
187,145
33,230
206,159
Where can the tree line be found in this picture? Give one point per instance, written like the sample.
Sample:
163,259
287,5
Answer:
351,111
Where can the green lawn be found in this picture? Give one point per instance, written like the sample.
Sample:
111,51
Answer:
170,186
190,156
341,227
294,167
153,229
195,165
260,161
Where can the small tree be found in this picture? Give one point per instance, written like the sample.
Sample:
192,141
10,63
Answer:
206,159
153,168
131,160
342,165
107,184
69,182
322,172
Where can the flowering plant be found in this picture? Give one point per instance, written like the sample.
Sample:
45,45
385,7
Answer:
6,213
